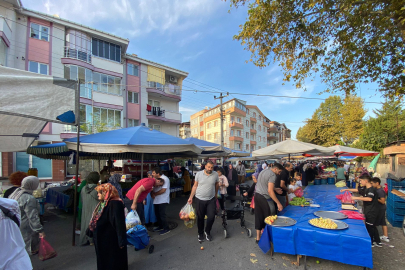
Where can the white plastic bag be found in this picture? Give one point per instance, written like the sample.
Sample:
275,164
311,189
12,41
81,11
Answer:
132,219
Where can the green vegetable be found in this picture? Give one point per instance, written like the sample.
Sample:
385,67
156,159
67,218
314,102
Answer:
298,201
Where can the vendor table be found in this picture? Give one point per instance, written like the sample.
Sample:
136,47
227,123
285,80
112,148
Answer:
56,197
350,246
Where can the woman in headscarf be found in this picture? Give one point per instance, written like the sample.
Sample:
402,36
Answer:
89,203
109,230
264,166
232,177
187,180
115,181
83,183
31,228
15,179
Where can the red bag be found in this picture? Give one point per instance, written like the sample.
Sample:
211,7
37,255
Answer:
339,197
352,214
45,250
347,197
252,204
299,192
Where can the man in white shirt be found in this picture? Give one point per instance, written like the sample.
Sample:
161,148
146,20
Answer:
161,199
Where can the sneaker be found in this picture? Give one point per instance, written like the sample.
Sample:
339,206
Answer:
208,236
385,238
377,245
200,237
157,229
165,231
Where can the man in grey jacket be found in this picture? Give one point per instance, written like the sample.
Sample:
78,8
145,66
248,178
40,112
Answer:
240,169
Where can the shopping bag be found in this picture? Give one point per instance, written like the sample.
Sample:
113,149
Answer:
187,212
347,197
299,192
252,203
45,250
353,214
132,219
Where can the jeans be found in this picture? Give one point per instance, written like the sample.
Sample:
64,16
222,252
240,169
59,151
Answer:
160,212
222,201
205,208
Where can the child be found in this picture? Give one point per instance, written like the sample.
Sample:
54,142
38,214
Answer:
376,183
297,177
223,184
372,209
292,188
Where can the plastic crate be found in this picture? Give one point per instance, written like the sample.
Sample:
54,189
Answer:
395,223
393,216
395,201
397,211
395,185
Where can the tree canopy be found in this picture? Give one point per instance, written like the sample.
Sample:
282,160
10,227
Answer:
346,41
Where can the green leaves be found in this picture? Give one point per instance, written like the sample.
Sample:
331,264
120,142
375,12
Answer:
347,41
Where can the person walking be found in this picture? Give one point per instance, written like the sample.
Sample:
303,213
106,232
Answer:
31,227
265,197
223,184
13,255
205,189
89,202
240,169
109,230
161,199
282,183
232,177
15,179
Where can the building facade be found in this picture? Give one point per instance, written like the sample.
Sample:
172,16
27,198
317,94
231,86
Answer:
185,131
245,127
117,89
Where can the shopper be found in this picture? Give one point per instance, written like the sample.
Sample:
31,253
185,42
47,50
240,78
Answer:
372,209
265,197
376,183
138,193
341,173
161,199
232,177
109,231
31,228
187,181
13,255
282,182
15,179
240,169
223,184
115,181
149,210
89,202
205,189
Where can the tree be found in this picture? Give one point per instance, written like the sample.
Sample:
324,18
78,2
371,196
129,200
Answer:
353,113
348,41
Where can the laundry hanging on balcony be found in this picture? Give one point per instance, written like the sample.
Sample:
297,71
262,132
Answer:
156,75
148,108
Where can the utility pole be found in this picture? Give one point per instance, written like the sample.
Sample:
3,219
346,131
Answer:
222,124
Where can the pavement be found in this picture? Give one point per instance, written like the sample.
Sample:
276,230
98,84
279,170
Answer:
180,248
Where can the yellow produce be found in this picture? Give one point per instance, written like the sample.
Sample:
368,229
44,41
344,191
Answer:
325,223
191,215
270,219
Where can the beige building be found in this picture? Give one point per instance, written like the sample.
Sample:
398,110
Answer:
184,130
245,127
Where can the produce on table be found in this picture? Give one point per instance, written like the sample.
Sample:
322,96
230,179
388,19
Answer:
325,223
299,201
270,219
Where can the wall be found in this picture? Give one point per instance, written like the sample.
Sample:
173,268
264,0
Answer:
107,64
143,101
382,169
108,99
58,44
7,163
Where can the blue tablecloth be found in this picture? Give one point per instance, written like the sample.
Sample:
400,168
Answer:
56,197
350,246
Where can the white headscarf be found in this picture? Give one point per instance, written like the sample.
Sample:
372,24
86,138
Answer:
264,166
28,185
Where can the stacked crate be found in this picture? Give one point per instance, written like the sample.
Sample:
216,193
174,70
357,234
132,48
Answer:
395,204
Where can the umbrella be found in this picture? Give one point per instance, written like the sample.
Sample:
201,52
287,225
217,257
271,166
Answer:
340,150
373,164
292,147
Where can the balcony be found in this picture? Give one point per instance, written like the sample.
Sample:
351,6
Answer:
235,111
273,130
253,130
168,90
253,119
253,143
236,125
266,124
77,54
271,137
5,30
156,114
236,138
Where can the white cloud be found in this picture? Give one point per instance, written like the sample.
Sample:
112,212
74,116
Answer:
188,39
193,56
131,18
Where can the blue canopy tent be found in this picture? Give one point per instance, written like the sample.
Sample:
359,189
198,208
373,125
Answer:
209,147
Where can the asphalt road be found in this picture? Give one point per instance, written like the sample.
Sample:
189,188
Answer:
180,249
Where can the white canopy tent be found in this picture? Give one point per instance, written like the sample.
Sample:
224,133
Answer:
28,101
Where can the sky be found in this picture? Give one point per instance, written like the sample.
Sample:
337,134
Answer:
196,36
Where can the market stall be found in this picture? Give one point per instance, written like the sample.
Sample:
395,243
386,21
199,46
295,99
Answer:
349,246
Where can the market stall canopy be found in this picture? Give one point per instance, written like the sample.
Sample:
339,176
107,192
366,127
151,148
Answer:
209,147
349,151
28,101
292,147
248,158
138,139
237,153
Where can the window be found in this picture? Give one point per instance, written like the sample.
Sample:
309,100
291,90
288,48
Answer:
254,115
106,83
155,127
232,119
247,135
216,135
260,128
247,111
260,117
215,123
39,32
132,70
238,120
108,117
247,147
252,137
252,148
209,137
260,138
238,133
237,147
38,68
209,125
106,50
231,132
132,97
3,53
252,126
133,122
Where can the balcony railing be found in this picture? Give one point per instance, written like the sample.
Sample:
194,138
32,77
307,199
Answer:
234,124
168,88
78,54
157,111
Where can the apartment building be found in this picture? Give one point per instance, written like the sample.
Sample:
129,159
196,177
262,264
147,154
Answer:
117,89
185,131
245,126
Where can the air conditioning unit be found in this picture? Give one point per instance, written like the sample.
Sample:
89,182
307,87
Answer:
172,79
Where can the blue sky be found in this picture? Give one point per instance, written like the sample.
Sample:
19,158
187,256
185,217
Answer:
197,36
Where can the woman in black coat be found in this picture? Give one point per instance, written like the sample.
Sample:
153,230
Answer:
109,230
232,176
